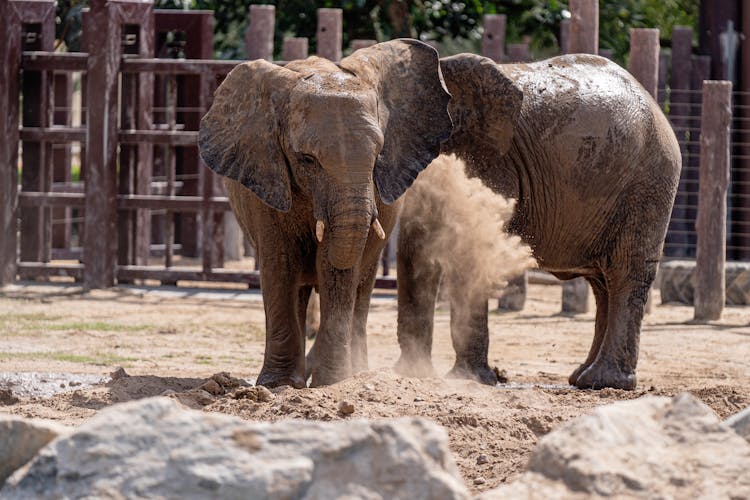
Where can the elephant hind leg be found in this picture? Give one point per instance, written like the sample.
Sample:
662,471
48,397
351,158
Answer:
615,364
418,283
599,287
471,339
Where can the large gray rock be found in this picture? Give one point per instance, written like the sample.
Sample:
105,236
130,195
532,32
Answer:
647,448
154,448
740,422
21,439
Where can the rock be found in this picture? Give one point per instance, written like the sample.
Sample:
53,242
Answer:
740,422
482,459
21,439
479,480
649,447
346,407
154,448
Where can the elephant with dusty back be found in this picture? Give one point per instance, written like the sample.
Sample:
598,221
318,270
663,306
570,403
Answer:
594,165
316,157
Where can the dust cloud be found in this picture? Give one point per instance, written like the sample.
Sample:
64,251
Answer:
465,226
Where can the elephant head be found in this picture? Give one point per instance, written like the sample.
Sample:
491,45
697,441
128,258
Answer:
334,135
485,106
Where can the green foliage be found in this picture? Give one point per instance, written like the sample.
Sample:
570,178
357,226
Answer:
454,25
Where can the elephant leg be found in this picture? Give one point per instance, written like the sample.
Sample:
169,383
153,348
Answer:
471,340
614,365
602,305
359,326
332,359
284,358
418,282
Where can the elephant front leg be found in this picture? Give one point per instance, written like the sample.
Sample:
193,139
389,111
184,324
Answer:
359,325
471,339
615,364
332,359
284,358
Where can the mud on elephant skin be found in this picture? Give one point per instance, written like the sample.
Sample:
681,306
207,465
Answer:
316,156
594,165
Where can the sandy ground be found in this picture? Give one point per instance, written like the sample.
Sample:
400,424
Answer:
58,347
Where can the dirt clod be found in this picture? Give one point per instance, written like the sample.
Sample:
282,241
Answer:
346,407
118,373
258,394
7,397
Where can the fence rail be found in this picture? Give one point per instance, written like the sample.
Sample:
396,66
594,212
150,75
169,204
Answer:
121,187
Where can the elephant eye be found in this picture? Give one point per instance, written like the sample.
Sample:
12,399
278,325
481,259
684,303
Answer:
308,160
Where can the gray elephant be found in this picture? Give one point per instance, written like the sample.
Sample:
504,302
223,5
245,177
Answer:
316,156
594,165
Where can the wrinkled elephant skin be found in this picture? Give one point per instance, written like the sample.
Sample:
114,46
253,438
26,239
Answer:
316,156
594,165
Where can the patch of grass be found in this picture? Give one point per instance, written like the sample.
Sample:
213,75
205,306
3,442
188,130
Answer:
99,358
96,325
203,360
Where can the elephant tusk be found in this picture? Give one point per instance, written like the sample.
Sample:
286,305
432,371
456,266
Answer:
320,228
378,229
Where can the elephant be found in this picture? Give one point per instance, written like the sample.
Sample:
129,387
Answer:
594,166
316,156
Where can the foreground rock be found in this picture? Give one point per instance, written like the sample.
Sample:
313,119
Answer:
155,448
646,448
740,422
21,439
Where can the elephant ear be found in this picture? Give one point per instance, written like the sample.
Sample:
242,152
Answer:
485,105
239,136
412,109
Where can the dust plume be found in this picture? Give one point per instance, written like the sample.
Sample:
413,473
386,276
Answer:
465,226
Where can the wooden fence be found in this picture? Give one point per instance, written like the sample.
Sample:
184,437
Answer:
147,78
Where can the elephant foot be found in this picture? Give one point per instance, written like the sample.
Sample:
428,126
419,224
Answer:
272,380
408,366
600,375
577,373
321,378
481,373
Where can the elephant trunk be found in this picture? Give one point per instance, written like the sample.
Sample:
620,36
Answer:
350,219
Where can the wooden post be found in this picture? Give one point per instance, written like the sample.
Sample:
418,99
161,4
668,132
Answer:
10,52
100,242
644,58
679,110
518,52
259,34
709,278
513,297
575,296
584,26
565,36
328,36
294,48
362,44
493,38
